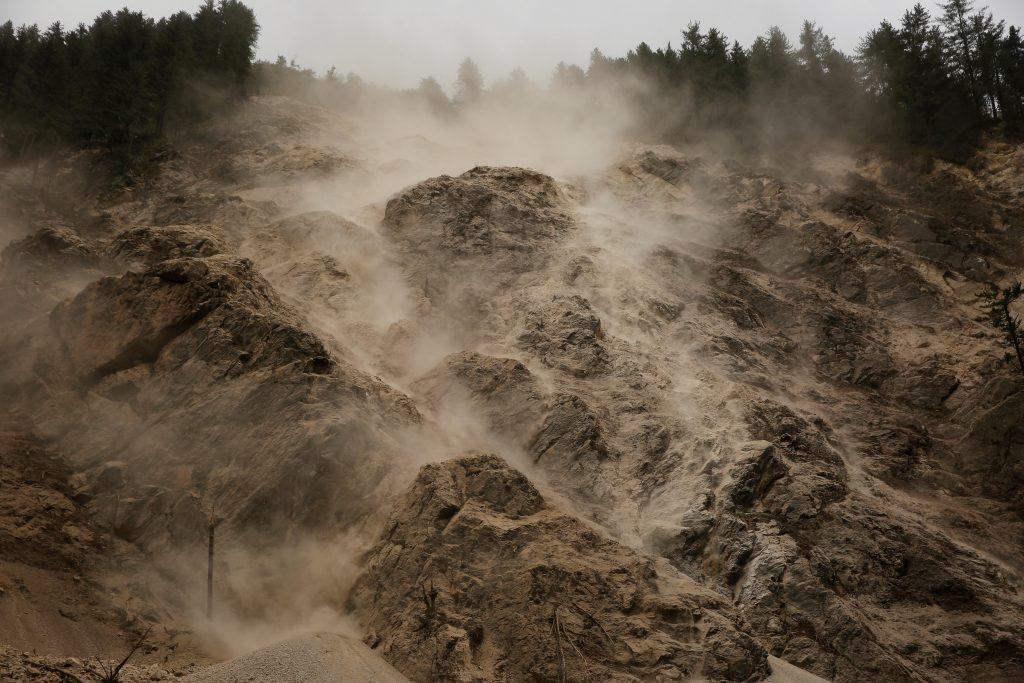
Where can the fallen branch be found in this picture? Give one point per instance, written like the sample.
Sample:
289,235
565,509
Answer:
113,675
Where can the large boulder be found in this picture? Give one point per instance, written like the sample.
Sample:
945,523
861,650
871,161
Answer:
465,238
476,577
211,390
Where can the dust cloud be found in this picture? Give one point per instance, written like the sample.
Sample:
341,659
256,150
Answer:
395,311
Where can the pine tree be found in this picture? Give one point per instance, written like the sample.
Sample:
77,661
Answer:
998,303
704,63
600,67
515,87
815,49
25,92
238,33
880,54
431,93
469,84
114,83
1010,64
909,70
174,59
53,79
961,44
988,34
738,69
568,78
9,59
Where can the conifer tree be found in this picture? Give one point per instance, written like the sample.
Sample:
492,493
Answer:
1010,65
469,84
998,303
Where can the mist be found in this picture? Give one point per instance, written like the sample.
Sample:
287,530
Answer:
374,41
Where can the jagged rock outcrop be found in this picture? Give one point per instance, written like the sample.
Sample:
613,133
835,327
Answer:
825,563
502,389
477,577
39,270
467,237
145,246
197,376
566,334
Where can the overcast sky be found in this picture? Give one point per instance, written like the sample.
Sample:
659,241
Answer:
396,42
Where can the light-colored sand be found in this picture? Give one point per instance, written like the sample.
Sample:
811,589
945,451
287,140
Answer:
784,672
314,658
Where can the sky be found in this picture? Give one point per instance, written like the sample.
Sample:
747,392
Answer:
397,42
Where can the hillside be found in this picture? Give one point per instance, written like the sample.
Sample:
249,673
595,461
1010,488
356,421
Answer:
639,413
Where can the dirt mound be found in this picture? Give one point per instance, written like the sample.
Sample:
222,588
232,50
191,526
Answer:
317,658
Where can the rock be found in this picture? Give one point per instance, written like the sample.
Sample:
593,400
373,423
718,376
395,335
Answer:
565,334
487,566
466,237
756,470
662,162
927,385
109,476
485,211
993,449
146,246
773,379
39,270
52,246
231,212
218,347
503,388
570,436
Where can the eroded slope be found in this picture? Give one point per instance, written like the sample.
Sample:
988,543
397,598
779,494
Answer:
775,380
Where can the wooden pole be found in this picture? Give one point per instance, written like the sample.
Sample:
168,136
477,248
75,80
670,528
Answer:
211,526
209,577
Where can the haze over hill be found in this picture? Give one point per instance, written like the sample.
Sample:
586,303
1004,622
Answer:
693,364
397,42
